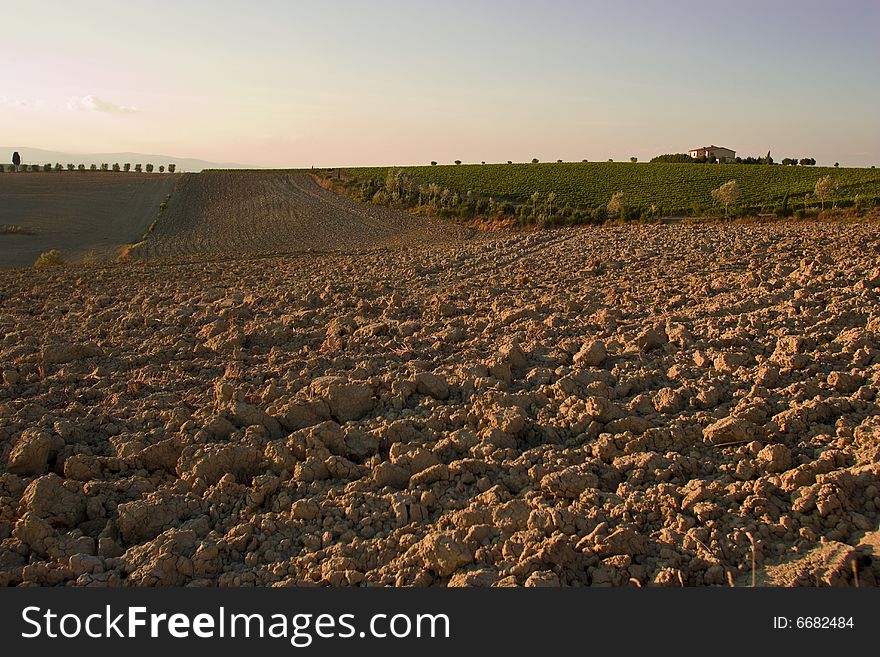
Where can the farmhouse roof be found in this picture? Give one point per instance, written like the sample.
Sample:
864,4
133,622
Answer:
704,148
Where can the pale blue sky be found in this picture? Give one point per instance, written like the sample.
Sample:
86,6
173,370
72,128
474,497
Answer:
287,83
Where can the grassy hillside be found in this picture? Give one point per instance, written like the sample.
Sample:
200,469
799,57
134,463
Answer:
675,188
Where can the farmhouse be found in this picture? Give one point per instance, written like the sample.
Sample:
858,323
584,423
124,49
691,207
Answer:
721,154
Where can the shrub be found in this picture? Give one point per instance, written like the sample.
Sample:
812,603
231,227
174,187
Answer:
534,160
433,164
171,168
633,159
49,259
47,167
149,168
35,167
616,205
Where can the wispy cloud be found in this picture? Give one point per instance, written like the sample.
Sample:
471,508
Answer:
13,102
92,103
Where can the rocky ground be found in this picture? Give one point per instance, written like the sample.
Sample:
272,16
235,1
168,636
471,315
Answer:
651,405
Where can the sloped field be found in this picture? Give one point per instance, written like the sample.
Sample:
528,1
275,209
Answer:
76,212
259,213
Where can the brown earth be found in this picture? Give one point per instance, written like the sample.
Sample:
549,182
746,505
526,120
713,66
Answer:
258,213
80,213
604,406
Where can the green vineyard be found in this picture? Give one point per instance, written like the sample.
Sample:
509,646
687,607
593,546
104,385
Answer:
675,188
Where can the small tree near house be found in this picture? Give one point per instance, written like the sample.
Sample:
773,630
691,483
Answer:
726,195
171,168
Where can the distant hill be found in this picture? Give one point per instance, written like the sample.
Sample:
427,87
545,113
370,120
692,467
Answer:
41,156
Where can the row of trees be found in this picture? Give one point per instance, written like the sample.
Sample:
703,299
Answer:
684,158
138,168
728,194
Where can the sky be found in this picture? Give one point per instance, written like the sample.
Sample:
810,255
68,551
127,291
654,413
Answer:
290,83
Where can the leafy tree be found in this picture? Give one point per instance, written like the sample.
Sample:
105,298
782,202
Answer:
58,167
633,159
458,161
768,159
558,161
47,167
534,160
82,167
510,161
116,166
71,167
433,163
808,161
825,187
674,158
105,167
171,168
161,168
93,167
35,167
584,161
617,205
137,168
836,164
16,159
149,168
127,166
726,195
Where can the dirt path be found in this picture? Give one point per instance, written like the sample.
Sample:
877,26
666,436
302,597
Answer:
216,214
76,212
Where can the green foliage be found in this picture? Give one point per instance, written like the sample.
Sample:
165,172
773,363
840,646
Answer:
49,259
172,168
678,188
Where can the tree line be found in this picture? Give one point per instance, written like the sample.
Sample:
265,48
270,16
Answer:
17,166
684,158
